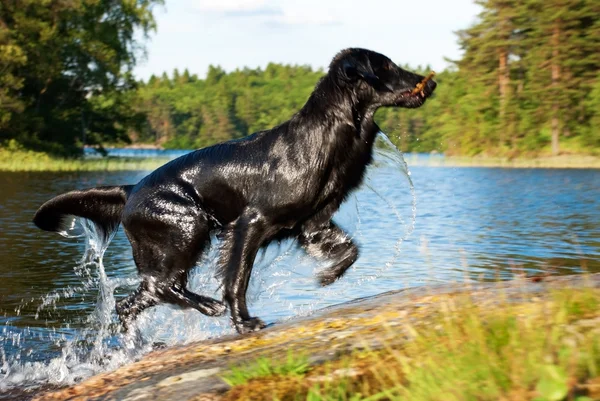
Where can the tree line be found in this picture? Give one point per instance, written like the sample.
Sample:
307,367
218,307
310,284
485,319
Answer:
527,83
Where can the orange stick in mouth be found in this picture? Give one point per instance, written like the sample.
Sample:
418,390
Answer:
421,85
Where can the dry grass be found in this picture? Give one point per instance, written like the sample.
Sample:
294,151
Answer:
547,350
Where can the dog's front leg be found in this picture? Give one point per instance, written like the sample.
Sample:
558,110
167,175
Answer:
241,243
332,243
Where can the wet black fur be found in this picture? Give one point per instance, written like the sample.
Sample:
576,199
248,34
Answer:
284,182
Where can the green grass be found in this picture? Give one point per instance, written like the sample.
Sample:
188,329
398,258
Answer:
546,350
27,160
534,353
265,367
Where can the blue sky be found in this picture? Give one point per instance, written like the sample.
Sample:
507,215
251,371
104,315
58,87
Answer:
235,33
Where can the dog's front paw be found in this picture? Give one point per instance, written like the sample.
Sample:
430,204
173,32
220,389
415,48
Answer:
249,325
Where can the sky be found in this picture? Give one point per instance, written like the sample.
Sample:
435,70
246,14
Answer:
194,34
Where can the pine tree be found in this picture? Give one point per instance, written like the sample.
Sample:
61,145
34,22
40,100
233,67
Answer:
563,60
490,46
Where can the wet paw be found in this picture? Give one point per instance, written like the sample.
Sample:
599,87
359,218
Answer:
250,325
216,308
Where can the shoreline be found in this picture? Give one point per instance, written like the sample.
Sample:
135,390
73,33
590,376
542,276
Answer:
30,161
23,161
546,162
78,165
390,346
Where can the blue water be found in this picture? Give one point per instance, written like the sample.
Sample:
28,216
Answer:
453,225
137,153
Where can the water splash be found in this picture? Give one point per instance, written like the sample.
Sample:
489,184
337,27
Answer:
282,286
92,349
389,152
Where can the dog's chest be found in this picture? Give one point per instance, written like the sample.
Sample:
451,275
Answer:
347,168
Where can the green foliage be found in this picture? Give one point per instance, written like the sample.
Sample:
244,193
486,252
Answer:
186,112
528,66
590,132
264,367
65,67
552,385
489,355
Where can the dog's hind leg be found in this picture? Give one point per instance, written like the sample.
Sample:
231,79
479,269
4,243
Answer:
128,308
242,240
178,294
169,289
164,255
332,243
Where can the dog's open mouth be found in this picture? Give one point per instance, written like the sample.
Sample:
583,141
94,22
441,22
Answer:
412,94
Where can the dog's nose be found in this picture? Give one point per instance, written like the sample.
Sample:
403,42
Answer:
430,86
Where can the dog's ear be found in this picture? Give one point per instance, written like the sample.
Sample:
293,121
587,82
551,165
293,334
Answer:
354,71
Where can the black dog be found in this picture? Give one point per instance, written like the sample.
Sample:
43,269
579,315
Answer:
283,182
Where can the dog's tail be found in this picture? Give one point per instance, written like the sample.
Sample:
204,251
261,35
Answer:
102,205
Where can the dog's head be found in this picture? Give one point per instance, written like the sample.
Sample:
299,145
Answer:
375,79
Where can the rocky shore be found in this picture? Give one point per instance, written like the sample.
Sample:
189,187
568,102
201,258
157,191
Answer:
376,324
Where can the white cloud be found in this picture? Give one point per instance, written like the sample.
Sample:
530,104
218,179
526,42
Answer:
229,5
287,19
293,17
270,12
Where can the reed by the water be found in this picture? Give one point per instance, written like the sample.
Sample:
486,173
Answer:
28,160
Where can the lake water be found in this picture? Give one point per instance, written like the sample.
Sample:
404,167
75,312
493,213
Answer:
454,224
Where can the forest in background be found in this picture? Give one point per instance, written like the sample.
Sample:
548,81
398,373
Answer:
528,84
